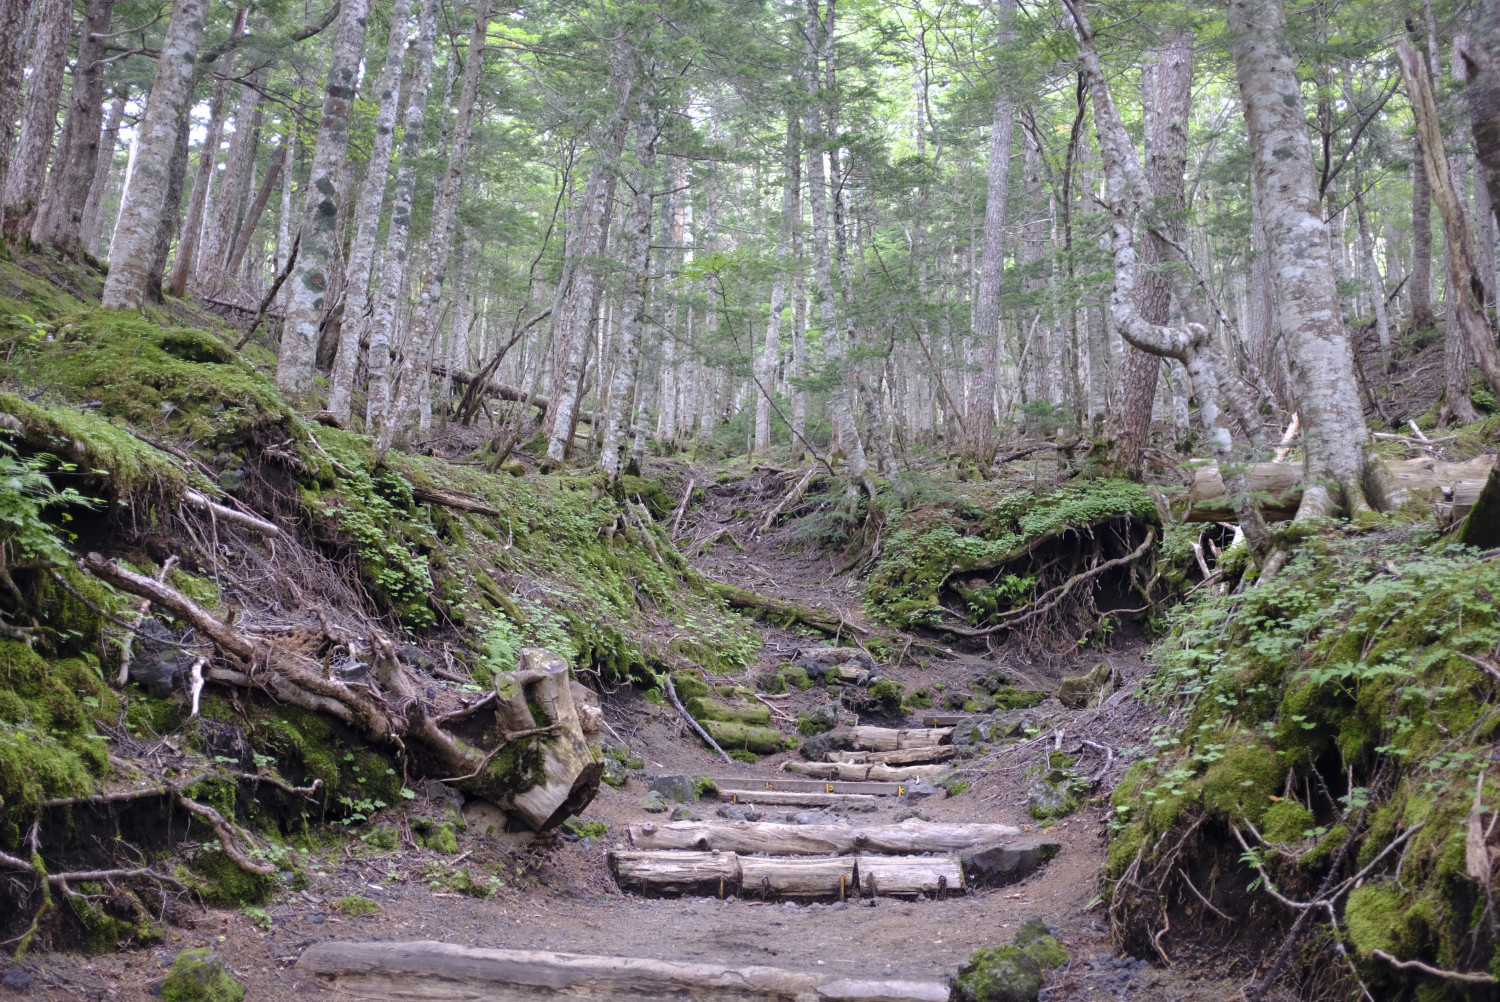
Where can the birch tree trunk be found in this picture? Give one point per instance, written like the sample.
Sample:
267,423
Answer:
133,244
61,220
367,219
92,226
1419,286
254,211
427,313
12,72
381,326
1322,361
27,172
310,276
979,421
186,261
1372,273
771,352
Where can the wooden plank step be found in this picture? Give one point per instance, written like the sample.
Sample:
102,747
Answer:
786,785
772,839
775,878
444,972
792,798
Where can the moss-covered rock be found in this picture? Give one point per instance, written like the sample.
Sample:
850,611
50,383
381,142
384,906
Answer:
1012,973
355,906
199,976
761,740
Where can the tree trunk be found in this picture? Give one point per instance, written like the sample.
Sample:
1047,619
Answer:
1419,286
1482,58
309,282
12,73
771,839
91,227
839,403
131,249
771,352
367,219
427,316
27,173
381,326
1372,273
979,421
171,215
1324,384
637,264
255,210
191,239
61,220
216,272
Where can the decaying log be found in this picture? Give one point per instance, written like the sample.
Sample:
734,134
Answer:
889,739
772,839
498,390
1424,479
556,774
866,771
449,499
444,972
901,756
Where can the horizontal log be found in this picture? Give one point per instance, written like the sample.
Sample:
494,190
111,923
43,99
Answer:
866,771
671,874
451,499
888,739
772,839
441,972
901,756
792,798
493,389
947,719
804,878
813,786
1425,479
773,878
908,876
195,500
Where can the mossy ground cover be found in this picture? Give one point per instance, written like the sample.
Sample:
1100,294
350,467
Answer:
933,539
1351,696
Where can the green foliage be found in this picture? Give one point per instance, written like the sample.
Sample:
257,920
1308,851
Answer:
199,976
354,906
48,743
586,829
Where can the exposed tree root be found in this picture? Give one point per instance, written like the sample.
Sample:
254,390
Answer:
781,611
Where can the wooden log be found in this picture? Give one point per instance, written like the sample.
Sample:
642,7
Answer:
445,972
1424,479
792,798
865,771
790,785
901,756
803,878
672,874
195,500
908,876
888,739
772,839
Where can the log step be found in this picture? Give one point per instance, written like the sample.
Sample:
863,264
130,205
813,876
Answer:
772,839
787,785
901,756
443,972
947,719
775,878
792,798
889,739
866,771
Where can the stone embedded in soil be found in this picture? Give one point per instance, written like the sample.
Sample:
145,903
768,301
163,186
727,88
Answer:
1048,800
1012,973
653,804
1008,862
739,812
15,977
1079,692
682,813
679,789
199,976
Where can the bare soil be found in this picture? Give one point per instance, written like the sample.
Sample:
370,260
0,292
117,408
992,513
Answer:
557,893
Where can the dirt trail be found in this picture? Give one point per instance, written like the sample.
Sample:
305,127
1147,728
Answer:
557,893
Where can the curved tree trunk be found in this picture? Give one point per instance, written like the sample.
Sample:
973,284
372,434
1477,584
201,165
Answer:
131,249
316,259
27,172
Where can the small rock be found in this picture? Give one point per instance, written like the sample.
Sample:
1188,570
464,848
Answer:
919,789
907,813
810,818
652,803
677,788
199,976
1079,692
998,865
732,812
15,977
682,813
1048,801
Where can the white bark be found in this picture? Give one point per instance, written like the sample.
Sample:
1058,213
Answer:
93,213
27,173
131,249
771,351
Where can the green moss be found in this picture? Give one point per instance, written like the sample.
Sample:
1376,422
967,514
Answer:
999,974
886,695
1239,785
1008,697
354,906
586,829
48,744
1374,916
199,976
762,740
796,677
222,881
112,920
703,708
1286,822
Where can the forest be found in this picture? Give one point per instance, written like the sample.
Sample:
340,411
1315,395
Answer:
591,498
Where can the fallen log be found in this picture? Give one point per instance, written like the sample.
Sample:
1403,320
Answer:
498,390
865,771
901,756
909,876
783,612
889,739
772,839
443,971
450,499
195,500
792,785
1425,479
